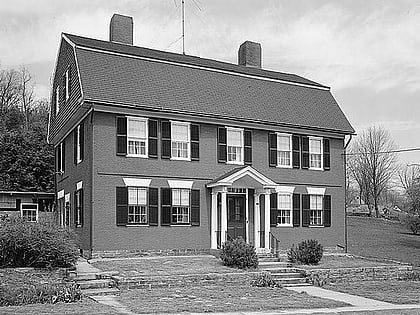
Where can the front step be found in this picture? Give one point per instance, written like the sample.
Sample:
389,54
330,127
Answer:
297,285
101,291
95,284
282,275
274,264
294,281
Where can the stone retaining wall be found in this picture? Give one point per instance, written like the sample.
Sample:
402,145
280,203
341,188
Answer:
145,253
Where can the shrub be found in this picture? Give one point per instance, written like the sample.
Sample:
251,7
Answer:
264,280
413,223
237,253
31,244
307,252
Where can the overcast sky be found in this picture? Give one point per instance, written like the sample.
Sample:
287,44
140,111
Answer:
368,51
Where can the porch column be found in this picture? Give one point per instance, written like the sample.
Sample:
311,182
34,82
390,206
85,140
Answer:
257,220
213,228
267,220
223,219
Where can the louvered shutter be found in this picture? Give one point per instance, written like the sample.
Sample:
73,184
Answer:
305,152
273,209
75,207
327,210
18,202
195,142
153,206
296,210
166,139
166,204
82,141
63,155
121,135
75,145
221,145
305,210
296,151
195,207
122,206
272,149
248,147
327,162
82,207
153,138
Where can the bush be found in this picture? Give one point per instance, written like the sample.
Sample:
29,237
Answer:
413,223
30,244
237,253
307,252
264,280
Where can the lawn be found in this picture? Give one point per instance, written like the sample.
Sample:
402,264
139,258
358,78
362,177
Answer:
371,237
343,261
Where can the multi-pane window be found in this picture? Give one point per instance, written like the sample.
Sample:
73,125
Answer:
180,140
29,212
284,150
284,216
316,210
67,82
137,136
234,145
180,206
315,153
137,205
79,207
57,99
60,158
78,145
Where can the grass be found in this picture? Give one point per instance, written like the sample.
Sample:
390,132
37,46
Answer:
343,261
218,298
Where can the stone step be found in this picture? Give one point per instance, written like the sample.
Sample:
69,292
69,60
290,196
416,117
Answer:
93,276
297,285
286,275
267,259
283,281
272,264
101,291
280,269
95,284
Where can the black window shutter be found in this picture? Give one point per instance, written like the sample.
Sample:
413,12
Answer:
58,158
81,206
296,210
63,154
82,141
153,138
18,202
272,149
153,206
121,135
327,163
305,210
327,210
296,151
75,207
122,206
166,139
75,145
195,207
248,147
273,209
221,145
195,142
166,204
305,152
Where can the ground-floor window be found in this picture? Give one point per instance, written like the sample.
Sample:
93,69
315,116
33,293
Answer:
137,205
316,210
180,206
78,202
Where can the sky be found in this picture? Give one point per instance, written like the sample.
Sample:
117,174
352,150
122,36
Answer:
367,51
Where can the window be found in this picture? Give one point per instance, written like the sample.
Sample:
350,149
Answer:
180,206
60,158
137,205
137,137
57,99
315,153
29,211
67,83
284,216
234,145
180,141
284,150
78,198
316,210
78,144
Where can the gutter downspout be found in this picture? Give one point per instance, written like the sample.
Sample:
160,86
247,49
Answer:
345,195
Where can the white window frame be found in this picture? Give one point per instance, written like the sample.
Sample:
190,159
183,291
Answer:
67,84
61,170
78,209
280,209
134,138
311,152
241,161
181,123
145,205
57,99
321,210
78,145
29,204
180,206
290,150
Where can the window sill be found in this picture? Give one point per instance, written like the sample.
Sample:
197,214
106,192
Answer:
315,169
235,163
137,224
284,225
180,159
181,224
284,166
137,156
316,226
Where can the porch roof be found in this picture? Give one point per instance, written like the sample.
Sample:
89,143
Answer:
233,175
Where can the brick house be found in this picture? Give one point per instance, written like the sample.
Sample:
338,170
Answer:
161,151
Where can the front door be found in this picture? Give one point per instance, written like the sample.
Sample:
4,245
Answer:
236,216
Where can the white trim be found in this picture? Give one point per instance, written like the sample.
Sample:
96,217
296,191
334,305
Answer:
206,68
79,185
322,153
76,61
137,182
67,197
29,204
181,184
285,189
146,143
60,194
250,171
78,145
315,191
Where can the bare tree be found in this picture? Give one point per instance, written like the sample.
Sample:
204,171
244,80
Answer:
9,91
373,164
409,177
26,94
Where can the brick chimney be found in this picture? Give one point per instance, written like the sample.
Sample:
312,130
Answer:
121,29
249,54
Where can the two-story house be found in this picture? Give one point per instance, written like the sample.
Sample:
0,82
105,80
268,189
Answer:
163,151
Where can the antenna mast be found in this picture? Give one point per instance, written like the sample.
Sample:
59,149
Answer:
183,27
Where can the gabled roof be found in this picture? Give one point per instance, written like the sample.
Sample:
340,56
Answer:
235,174
156,80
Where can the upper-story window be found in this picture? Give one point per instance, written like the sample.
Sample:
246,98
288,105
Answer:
59,155
180,140
67,83
284,150
137,136
57,99
235,145
79,144
315,153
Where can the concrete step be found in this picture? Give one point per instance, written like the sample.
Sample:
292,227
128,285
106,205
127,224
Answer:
297,285
101,291
280,269
283,281
93,276
95,284
280,275
267,259
273,264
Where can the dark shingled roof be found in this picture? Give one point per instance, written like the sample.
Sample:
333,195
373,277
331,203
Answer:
172,87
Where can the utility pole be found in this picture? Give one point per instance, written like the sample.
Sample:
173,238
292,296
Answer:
183,27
